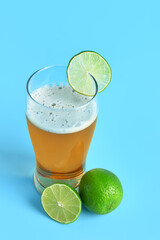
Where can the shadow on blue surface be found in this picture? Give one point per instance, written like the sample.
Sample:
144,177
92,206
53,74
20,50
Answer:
86,212
16,163
17,173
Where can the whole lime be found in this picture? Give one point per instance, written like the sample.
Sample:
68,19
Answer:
100,191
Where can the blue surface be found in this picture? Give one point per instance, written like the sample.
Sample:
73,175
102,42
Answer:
35,34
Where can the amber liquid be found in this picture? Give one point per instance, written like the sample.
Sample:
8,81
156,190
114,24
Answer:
60,156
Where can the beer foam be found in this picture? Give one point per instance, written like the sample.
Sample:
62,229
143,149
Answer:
60,109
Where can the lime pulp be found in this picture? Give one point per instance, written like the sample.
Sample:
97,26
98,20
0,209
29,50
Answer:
61,202
82,67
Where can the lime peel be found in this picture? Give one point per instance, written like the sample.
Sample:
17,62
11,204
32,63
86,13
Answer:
100,191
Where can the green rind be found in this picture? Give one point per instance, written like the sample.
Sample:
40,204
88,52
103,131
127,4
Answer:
91,190
93,76
73,190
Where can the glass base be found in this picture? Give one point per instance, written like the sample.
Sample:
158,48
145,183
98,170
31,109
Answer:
41,181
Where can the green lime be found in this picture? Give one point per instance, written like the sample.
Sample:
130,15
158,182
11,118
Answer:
100,190
61,202
82,67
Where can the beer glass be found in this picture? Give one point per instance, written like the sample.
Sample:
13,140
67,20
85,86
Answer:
61,124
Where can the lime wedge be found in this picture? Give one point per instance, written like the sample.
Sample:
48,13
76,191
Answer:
82,67
61,202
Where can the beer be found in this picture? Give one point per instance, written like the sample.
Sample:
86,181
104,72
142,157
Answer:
61,130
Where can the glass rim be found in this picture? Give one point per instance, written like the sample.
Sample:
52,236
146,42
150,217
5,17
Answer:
60,109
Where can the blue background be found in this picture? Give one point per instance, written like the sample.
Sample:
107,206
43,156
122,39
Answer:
34,34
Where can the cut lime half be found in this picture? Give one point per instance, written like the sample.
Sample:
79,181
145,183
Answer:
61,202
82,67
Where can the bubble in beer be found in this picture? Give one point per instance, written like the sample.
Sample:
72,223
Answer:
62,110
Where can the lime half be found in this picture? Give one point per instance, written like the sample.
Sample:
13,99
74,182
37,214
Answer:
82,67
61,202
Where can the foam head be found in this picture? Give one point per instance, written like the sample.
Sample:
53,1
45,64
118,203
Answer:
59,109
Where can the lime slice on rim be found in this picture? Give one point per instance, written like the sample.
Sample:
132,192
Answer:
82,67
61,202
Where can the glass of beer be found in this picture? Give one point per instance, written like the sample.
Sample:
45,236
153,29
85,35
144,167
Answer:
61,124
